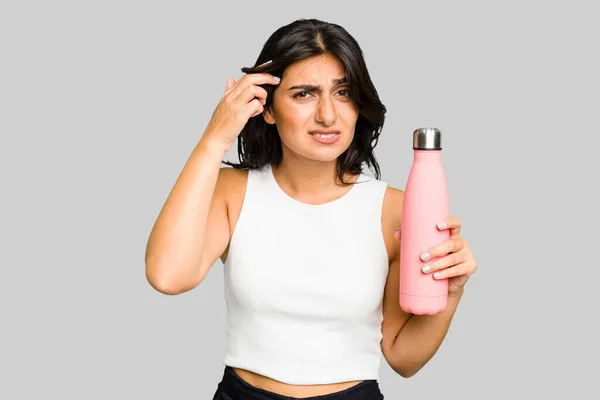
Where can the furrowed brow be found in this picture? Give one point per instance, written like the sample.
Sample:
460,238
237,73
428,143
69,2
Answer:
310,88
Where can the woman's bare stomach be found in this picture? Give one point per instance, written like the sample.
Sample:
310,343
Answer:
284,389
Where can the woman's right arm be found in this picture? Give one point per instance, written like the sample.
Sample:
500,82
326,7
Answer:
179,252
177,241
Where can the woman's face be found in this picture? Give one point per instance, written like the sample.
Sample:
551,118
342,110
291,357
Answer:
313,96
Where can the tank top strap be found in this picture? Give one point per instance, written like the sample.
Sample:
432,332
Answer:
259,188
369,193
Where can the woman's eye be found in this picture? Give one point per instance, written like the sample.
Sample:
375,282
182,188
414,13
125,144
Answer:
345,92
300,94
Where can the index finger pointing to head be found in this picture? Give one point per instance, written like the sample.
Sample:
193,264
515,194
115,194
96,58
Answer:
269,78
260,78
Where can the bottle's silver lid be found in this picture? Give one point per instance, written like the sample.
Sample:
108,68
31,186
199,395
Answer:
427,139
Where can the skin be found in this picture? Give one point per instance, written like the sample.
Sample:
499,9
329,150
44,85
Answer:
307,173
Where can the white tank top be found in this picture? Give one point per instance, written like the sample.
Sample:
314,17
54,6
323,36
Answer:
304,284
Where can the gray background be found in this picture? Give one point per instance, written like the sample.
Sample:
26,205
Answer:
102,103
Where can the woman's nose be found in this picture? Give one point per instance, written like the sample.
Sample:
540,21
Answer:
326,112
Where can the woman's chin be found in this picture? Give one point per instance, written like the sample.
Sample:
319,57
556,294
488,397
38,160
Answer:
324,155
314,151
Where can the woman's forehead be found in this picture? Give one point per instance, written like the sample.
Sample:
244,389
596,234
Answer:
316,70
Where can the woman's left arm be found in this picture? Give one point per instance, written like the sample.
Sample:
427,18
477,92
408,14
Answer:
422,335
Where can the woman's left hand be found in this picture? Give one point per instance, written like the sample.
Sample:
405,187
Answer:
454,258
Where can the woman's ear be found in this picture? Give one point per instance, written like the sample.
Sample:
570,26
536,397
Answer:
268,116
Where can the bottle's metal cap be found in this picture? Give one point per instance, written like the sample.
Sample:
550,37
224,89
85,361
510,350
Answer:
427,139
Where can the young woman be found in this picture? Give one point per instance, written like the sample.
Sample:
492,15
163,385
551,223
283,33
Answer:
308,240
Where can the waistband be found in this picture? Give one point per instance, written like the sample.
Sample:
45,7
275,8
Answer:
234,386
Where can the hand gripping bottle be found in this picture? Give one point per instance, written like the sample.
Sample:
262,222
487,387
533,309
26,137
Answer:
425,204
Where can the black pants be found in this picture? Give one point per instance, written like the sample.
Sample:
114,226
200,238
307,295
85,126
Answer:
232,387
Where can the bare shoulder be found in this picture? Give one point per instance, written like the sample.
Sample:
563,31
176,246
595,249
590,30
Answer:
394,197
391,219
231,183
231,178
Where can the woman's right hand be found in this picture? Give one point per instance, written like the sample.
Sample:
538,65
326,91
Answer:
241,101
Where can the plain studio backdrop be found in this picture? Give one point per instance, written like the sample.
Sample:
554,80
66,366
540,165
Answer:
101,104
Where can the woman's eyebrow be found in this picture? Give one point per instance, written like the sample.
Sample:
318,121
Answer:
318,87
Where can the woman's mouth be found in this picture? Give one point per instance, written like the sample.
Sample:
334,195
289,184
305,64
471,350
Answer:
326,137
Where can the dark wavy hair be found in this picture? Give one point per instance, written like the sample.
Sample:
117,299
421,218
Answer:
259,143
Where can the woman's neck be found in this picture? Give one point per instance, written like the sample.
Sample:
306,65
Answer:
309,178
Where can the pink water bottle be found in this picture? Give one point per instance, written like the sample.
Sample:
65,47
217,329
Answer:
425,204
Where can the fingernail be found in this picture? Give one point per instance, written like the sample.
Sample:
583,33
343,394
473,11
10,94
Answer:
441,225
436,275
426,268
425,256
278,79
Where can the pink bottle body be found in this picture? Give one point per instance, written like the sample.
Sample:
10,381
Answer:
425,204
